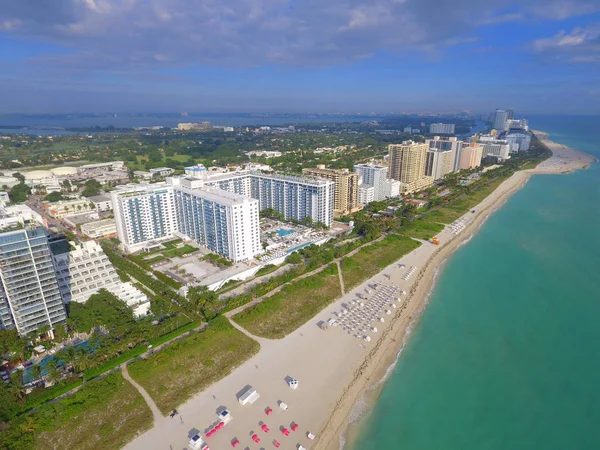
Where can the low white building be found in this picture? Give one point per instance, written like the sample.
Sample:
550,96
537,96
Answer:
100,229
101,202
161,171
82,272
63,208
366,194
143,175
18,214
102,167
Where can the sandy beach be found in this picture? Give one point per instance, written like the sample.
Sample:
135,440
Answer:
333,367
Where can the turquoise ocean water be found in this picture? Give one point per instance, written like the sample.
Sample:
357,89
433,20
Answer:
507,354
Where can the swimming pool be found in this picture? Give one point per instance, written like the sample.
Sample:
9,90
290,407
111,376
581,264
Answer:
27,378
299,247
283,232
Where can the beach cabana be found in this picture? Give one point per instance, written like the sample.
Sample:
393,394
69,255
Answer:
255,438
235,442
285,432
294,426
276,444
268,411
265,428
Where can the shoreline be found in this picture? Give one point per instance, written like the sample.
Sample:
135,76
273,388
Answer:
334,368
341,426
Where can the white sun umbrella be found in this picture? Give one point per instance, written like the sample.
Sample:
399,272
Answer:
381,319
388,312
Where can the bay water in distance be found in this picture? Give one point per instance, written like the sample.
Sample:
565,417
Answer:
507,354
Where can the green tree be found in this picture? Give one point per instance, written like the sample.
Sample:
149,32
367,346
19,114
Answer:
53,197
91,187
19,192
294,258
155,156
16,387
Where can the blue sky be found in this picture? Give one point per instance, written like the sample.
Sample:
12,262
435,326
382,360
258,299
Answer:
539,56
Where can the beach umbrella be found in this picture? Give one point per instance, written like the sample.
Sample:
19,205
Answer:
255,438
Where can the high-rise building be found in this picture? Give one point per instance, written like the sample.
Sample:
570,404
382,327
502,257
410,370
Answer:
407,165
470,156
29,293
143,213
438,163
500,118
224,222
83,271
346,187
441,128
376,176
366,194
217,208
499,149
444,144
510,114
295,197
520,142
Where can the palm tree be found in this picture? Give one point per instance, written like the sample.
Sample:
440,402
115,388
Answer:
29,424
16,387
36,372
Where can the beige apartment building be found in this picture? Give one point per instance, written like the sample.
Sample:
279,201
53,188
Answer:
346,188
470,156
407,165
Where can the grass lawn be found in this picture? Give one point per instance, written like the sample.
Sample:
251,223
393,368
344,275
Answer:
104,414
457,208
282,313
175,252
421,229
373,258
184,368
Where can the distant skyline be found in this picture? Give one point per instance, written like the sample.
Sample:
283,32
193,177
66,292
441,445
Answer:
536,56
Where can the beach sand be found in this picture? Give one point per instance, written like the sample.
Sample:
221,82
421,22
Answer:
334,369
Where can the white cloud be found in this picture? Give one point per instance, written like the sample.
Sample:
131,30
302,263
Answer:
581,45
126,33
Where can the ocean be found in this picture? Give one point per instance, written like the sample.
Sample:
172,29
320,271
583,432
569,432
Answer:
507,354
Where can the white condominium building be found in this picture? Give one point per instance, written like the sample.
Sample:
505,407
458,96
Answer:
444,144
295,197
519,142
366,194
376,176
82,272
497,148
29,293
441,128
224,222
144,213
438,163
499,119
